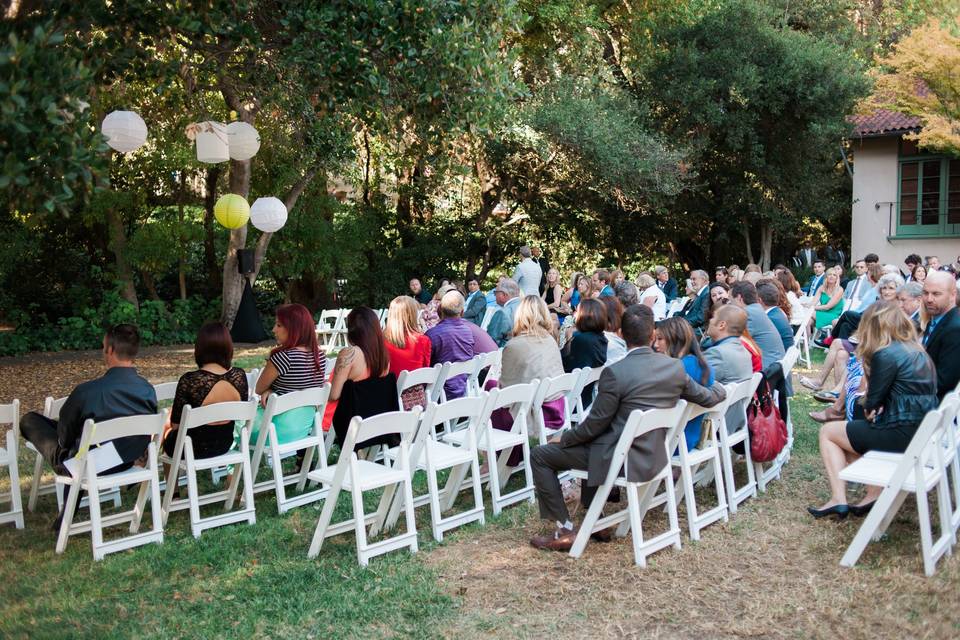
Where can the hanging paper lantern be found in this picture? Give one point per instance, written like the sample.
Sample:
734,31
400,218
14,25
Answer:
243,139
212,146
268,214
125,131
232,211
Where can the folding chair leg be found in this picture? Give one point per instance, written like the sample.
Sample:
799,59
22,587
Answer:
454,482
436,513
636,523
35,482
319,533
96,523
359,524
193,493
926,535
140,505
16,502
305,468
72,499
589,520
871,524
408,512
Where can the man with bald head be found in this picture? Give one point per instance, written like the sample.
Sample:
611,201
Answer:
452,340
697,307
727,357
941,338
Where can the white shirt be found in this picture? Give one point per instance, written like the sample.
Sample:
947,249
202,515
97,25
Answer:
660,305
528,274
616,347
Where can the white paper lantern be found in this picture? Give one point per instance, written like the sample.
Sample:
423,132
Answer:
125,131
268,214
243,139
212,146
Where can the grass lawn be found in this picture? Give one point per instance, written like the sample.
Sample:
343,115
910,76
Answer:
770,572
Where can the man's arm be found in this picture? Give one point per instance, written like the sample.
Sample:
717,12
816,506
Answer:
602,412
70,423
703,396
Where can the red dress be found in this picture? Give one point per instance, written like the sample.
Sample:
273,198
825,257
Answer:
754,352
414,355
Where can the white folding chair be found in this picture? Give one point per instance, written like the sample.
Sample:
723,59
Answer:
183,454
426,376
166,391
738,396
488,316
432,456
550,388
452,370
382,316
357,476
766,474
316,398
51,409
699,467
10,414
588,376
489,361
88,479
919,470
252,376
640,493
326,328
340,330
801,339
498,444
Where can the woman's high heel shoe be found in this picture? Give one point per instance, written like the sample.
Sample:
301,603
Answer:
861,510
839,510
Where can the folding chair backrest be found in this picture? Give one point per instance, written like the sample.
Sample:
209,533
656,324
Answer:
100,432
10,414
403,423
923,447
312,397
488,316
328,319
737,391
165,391
252,376
551,388
789,360
456,410
641,423
218,412
423,375
521,395
455,369
52,406
490,360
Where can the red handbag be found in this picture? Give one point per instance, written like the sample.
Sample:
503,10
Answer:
768,431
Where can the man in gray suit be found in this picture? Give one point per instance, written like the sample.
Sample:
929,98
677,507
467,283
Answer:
475,306
643,379
727,357
744,295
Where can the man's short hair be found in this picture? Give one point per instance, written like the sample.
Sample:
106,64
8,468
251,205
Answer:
871,258
820,262
769,294
700,273
636,325
124,339
472,278
525,251
603,275
734,316
913,258
927,259
627,293
509,286
745,290
913,289
451,304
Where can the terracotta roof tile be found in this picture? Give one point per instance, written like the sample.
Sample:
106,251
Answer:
883,122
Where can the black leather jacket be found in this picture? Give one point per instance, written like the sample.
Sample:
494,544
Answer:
903,383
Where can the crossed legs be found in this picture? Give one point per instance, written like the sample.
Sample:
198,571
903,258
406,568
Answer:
837,453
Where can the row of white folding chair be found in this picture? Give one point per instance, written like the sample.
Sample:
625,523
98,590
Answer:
801,339
641,494
88,479
700,467
766,474
332,329
922,468
10,414
589,375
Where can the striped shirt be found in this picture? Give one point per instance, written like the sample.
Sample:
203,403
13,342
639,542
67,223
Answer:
296,370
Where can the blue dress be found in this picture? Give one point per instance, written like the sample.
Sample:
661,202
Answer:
692,431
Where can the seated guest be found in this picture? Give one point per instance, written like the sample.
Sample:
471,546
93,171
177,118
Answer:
417,293
587,346
553,295
407,348
696,309
294,365
674,338
475,306
652,295
452,340
362,383
508,297
642,380
573,295
835,362
771,298
531,354
874,273
720,274
911,261
601,283
431,313
847,323
828,300
857,287
628,294
761,328
118,393
666,284
616,277
793,291
816,280
941,335
752,268
919,274
616,347
727,355
215,380
910,299
719,296
933,263
901,388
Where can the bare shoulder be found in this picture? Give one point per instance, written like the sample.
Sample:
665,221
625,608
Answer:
346,357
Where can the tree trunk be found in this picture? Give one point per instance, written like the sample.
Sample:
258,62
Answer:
745,229
181,249
232,278
209,248
766,244
118,245
150,284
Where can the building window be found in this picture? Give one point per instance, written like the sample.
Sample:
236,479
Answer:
929,196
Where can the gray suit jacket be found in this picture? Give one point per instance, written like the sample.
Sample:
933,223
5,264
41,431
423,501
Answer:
764,334
476,309
643,379
731,362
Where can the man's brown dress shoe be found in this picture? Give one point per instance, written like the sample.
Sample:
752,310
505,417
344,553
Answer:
560,540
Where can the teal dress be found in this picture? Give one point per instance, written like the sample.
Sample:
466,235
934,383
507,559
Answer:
826,317
296,371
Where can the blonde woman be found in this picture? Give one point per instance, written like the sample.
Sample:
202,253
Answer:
408,348
901,387
553,295
652,296
532,354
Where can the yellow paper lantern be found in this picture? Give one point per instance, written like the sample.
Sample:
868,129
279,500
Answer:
232,211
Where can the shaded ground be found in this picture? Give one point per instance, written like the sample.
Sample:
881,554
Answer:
772,571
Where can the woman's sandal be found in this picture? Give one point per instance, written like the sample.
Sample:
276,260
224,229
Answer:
810,384
825,416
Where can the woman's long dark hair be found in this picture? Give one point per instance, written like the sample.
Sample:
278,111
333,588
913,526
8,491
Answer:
364,332
301,331
680,340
